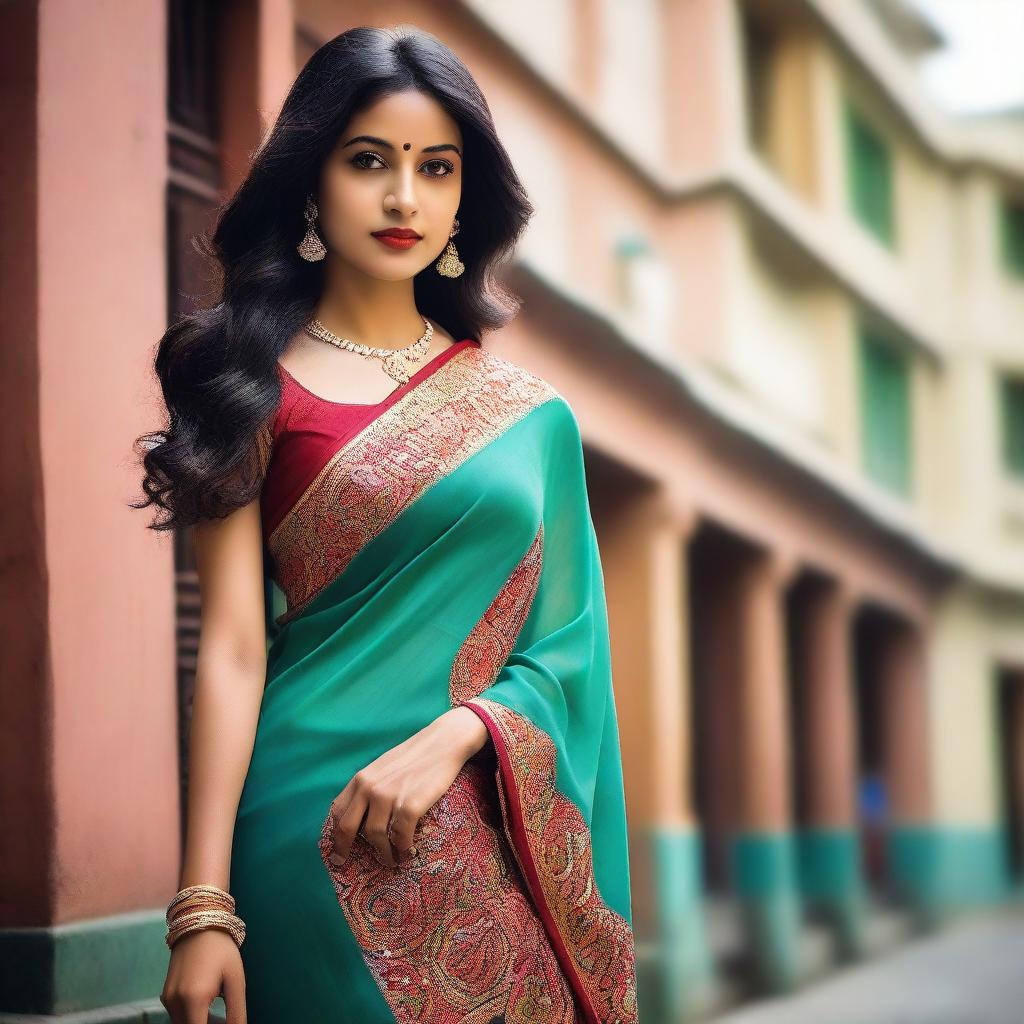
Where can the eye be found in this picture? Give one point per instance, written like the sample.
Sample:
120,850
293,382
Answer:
447,168
356,161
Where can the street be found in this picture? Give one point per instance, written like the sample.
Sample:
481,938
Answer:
970,973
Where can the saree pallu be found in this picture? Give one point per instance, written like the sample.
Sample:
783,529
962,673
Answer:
443,556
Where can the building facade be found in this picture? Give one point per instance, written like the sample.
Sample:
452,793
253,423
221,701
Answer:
784,295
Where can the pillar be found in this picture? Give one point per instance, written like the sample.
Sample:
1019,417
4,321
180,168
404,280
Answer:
913,849
644,548
829,842
684,976
764,854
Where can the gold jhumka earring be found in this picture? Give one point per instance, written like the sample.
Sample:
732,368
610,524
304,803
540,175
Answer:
448,263
311,248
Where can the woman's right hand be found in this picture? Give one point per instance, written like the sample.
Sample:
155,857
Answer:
204,965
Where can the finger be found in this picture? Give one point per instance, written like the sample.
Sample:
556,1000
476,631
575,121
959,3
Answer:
346,826
378,816
340,803
234,997
197,1009
403,830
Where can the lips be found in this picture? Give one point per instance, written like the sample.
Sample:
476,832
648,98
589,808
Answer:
397,238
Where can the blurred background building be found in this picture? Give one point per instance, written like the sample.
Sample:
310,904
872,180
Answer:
784,294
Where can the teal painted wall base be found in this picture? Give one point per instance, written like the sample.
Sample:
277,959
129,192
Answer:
149,1011
679,978
943,868
83,965
832,882
764,878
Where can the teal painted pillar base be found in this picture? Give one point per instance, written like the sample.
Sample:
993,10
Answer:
764,877
84,965
680,977
832,882
939,869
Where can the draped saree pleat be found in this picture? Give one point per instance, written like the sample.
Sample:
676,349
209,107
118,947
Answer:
444,555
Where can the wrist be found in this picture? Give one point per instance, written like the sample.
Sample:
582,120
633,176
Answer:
469,733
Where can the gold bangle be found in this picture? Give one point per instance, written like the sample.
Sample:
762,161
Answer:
198,903
199,920
205,894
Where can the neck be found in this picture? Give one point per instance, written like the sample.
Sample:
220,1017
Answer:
367,309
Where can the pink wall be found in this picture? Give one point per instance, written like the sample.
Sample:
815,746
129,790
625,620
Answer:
94,666
25,673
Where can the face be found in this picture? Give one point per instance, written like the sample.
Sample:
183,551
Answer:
398,164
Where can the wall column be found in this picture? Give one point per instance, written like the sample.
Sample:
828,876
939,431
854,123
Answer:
912,851
829,844
644,548
673,833
764,855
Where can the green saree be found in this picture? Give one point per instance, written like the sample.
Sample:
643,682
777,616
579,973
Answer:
443,555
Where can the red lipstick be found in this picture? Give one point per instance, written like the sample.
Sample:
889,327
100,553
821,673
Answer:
397,238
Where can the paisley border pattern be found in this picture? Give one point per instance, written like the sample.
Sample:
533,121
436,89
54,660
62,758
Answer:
552,844
465,404
450,935
491,640
520,879
549,837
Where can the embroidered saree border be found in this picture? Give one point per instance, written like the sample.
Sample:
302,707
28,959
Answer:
452,939
549,836
465,404
491,640
417,923
458,939
552,844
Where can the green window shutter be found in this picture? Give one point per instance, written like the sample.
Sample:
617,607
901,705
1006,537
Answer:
885,411
869,176
1013,425
1011,230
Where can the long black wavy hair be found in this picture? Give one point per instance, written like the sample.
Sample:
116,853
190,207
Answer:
217,366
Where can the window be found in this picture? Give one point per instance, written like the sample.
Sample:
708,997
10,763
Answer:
1011,230
869,176
760,48
779,49
885,411
1012,402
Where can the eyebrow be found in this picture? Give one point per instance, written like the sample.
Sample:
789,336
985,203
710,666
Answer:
440,148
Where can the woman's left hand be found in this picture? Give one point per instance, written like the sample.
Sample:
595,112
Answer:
400,785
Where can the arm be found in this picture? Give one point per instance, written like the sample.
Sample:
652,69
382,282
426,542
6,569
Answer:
230,676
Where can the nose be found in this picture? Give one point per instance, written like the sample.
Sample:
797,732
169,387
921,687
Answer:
403,195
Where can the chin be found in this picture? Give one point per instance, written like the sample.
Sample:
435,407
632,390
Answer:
392,269
394,273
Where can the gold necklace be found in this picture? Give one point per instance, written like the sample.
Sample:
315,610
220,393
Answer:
398,362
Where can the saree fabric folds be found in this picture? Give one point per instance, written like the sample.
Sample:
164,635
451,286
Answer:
439,553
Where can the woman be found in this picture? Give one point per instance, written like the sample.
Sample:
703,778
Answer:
411,807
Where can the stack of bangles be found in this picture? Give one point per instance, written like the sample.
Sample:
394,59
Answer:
199,907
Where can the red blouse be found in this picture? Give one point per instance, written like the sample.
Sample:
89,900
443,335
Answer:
309,429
